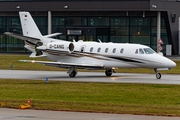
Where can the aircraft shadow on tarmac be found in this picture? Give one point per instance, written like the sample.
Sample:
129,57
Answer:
90,77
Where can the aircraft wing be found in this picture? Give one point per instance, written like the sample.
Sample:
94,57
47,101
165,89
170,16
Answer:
66,65
25,38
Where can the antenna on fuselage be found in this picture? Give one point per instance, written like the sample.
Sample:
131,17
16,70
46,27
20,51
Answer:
74,40
99,41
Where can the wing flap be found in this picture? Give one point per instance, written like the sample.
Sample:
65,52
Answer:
65,65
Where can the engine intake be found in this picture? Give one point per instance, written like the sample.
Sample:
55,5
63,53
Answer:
71,47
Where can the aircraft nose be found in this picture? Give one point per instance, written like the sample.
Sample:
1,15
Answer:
171,64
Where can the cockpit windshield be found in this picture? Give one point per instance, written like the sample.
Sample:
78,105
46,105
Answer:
148,51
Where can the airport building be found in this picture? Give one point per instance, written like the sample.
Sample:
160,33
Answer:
145,22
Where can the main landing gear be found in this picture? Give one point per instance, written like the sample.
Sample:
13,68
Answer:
109,72
158,74
72,72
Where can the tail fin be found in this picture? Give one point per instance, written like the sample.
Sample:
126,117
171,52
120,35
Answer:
29,27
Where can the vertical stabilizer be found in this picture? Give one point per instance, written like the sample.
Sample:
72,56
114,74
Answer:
29,27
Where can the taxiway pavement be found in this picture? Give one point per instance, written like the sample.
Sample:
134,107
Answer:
90,77
15,114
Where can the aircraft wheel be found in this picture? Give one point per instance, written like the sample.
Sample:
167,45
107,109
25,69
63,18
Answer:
158,75
73,73
108,72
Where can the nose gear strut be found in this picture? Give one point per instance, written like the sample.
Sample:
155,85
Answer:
158,74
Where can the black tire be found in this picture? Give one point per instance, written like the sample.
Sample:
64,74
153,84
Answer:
158,75
73,74
108,72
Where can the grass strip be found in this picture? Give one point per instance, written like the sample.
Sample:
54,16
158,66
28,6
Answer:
142,99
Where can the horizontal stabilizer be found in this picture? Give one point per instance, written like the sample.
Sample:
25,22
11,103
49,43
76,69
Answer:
52,35
33,55
25,38
60,64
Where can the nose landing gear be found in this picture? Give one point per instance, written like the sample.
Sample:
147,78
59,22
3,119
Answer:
158,74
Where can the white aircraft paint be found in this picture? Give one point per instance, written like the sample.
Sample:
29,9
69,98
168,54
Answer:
88,55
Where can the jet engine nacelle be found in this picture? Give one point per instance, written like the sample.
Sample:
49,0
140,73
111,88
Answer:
61,46
66,46
79,47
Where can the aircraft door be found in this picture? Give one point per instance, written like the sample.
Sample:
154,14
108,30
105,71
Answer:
82,50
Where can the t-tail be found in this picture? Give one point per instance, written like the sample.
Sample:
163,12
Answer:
32,36
29,27
31,31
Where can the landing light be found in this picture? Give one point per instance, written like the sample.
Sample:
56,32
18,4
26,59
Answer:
22,60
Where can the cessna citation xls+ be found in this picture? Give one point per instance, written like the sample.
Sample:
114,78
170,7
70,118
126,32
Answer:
87,55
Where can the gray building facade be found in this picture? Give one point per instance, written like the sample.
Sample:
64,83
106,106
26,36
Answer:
120,21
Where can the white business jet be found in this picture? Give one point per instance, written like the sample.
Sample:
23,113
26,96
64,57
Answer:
88,55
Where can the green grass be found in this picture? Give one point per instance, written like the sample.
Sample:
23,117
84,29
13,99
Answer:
147,99
7,60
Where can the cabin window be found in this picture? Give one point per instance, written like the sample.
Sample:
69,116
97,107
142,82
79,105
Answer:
99,49
91,49
136,52
106,50
122,50
141,51
114,50
149,51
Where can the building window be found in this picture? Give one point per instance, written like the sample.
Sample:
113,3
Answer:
154,22
98,21
120,31
2,30
42,24
140,31
76,21
139,21
119,21
59,21
119,39
116,29
12,44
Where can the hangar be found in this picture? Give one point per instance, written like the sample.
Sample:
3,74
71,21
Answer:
120,21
